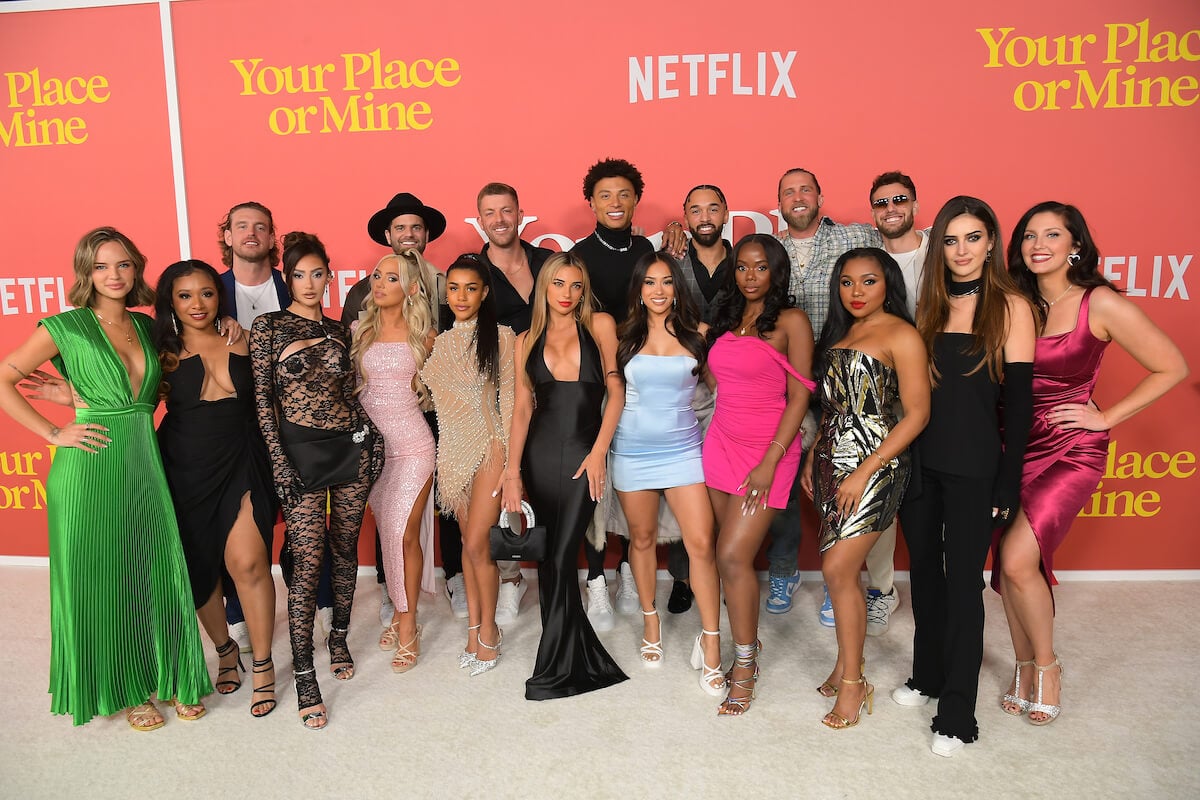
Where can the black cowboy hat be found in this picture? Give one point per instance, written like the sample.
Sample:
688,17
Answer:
405,203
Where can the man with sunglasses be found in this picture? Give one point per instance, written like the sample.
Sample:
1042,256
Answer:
894,208
813,243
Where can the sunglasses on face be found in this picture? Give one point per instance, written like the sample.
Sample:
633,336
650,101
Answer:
896,200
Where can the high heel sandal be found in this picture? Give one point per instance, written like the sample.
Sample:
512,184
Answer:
1051,711
141,717
1013,703
308,695
228,686
389,640
827,689
837,721
182,709
259,668
480,666
745,656
342,668
406,658
652,652
467,659
708,674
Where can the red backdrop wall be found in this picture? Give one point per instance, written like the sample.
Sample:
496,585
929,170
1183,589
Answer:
324,117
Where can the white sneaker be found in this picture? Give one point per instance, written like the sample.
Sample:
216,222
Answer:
946,746
508,601
241,635
387,609
456,591
879,610
599,608
627,595
905,696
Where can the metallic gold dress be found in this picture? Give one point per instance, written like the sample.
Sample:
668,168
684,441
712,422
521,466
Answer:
858,394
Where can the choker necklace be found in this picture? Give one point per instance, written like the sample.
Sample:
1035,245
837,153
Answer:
125,333
1061,296
614,248
466,323
964,288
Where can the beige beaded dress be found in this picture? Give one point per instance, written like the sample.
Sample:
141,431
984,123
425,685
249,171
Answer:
473,414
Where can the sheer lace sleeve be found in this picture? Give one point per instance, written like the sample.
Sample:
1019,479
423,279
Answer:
262,360
508,384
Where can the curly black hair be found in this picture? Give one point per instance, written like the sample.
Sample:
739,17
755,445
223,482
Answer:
729,303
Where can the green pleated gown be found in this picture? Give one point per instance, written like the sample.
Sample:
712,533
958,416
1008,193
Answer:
122,624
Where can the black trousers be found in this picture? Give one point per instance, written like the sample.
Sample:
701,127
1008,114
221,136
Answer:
948,528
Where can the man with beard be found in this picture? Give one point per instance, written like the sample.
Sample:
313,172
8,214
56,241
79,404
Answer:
813,243
894,207
253,286
249,248
514,265
406,223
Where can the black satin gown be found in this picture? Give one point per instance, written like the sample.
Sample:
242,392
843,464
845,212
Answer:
570,659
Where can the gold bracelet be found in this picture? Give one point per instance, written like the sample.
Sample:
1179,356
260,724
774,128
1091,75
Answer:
882,463
781,447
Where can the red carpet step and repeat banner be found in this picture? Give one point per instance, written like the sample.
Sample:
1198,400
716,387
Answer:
157,117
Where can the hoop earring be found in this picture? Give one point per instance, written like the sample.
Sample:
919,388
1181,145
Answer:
174,323
1073,259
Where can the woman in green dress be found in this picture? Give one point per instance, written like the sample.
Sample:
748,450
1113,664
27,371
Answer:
122,628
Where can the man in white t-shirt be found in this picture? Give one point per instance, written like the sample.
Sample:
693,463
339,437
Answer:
894,208
250,249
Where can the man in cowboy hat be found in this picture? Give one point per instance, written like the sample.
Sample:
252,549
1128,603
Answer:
404,223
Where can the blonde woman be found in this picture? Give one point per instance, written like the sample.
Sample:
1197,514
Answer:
567,363
391,343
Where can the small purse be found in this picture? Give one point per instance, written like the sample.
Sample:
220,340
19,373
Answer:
507,544
323,458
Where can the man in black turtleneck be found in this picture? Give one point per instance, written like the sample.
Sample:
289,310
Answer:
612,188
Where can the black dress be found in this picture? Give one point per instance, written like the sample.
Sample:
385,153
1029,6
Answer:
570,659
213,453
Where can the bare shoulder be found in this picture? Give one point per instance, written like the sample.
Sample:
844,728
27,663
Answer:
604,322
902,336
795,322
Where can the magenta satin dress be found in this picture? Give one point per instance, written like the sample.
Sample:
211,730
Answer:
391,403
751,396
1062,465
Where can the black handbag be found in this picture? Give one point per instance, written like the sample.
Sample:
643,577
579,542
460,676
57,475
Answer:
507,544
323,458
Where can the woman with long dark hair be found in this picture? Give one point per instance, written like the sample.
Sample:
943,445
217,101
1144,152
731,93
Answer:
657,448
325,452
471,374
218,469
1056,264
869,355
559,440
114,541
979,333
759,359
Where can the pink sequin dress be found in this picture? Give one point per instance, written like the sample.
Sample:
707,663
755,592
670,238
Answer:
1062,465
751,380
390,401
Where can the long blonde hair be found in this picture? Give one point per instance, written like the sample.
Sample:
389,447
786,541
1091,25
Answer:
417,310
583,312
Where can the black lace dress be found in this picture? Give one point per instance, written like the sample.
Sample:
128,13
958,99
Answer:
303,376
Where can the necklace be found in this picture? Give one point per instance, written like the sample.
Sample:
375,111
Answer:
964,288
1064,294
121,328
256,294
742,331
614,248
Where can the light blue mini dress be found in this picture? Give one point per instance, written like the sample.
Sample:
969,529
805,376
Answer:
658,440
